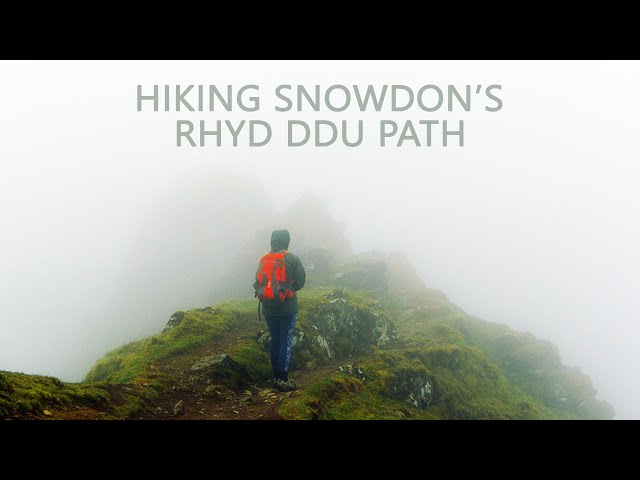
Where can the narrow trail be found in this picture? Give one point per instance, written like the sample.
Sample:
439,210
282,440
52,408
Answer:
208,402
187,397
214,402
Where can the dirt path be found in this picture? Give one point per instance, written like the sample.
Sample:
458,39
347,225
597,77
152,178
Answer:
258,402
214,402
187,397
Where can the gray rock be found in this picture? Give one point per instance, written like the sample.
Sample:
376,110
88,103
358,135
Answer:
324,344
213,390
178,408
339,328
412,387
174,320
222,369
352,371
214,361
345,329
264,339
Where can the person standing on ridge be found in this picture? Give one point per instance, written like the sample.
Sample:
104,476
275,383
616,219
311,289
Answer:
279,276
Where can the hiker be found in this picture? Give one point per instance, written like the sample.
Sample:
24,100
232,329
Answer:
279,276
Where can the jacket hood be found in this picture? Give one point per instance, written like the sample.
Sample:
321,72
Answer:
279,240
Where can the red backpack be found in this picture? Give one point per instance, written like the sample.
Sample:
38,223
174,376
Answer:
271,277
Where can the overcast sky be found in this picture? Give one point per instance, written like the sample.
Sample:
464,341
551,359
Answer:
533,223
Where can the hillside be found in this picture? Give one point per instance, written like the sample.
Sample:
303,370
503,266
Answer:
372,342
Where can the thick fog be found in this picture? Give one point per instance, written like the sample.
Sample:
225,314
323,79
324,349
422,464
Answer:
107,226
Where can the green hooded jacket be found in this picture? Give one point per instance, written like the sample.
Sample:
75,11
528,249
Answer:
295,271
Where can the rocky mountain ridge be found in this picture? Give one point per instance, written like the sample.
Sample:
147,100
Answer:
372,342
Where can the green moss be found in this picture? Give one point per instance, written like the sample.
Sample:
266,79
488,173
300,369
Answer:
325,399
23,394
476,369
465,385
131,361
308,299
529,366
352,324
133,405
248,364
340,397
534,366
251,355
5,386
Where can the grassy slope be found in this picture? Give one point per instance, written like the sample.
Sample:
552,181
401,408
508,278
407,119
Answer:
478,369
473,377
466,383
22,394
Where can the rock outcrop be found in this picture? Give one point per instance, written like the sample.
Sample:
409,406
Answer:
411,387
222,369
371,342
174,320
338,328
213,362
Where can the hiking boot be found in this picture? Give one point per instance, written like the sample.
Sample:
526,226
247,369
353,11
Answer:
286,386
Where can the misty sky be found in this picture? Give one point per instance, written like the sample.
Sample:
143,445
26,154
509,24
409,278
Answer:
534,223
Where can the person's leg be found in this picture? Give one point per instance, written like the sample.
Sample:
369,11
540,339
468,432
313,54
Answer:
274,330
287,329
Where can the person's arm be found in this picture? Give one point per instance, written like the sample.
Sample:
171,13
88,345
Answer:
299,275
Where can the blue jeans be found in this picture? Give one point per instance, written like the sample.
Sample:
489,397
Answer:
281,328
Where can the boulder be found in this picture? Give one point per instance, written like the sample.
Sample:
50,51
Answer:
412,387
222,369
214,361
174,320
342,327
338,328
